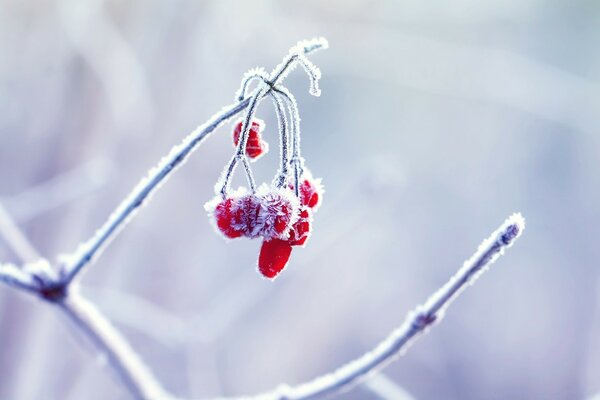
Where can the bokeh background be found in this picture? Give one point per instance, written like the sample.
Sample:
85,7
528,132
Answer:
437,121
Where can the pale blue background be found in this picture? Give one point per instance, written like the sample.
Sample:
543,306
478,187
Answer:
437,121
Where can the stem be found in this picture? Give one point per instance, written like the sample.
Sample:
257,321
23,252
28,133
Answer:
415,324
292,107
16,277
281,177
240,153
121,357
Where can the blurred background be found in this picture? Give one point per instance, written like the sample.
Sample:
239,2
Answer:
437,121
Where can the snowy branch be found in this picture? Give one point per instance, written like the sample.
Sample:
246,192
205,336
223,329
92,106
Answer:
415,324
16,277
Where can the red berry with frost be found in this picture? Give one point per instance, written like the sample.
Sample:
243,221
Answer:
279,211
249,208
225,218
310,190
255,146
310,193
235,216
301,229
273,257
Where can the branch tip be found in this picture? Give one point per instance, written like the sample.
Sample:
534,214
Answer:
513,228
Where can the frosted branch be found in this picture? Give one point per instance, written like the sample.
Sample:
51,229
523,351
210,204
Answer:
283,140
415,324
72,264
16,277
121,357
292,108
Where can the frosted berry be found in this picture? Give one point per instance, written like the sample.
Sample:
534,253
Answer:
225,219
301,229
310,191
279,212
249,208
237,215
255,146
273,257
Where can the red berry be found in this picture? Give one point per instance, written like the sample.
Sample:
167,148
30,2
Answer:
273,257
310,193
238,215
301,230
224,217
255,146
249,206
278,213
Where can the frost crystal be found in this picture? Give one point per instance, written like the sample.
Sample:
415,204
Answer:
279,211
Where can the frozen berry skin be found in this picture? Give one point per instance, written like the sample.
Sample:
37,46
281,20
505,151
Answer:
279,212
225,219
255,146
249,215
310,193
237,215
301,229
273,257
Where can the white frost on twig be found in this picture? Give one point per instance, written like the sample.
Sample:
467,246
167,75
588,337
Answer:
15,276
415,324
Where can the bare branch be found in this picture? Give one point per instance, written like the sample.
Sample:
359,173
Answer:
16,277
121,357
415,324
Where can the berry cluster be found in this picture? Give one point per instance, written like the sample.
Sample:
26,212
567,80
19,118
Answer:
281,216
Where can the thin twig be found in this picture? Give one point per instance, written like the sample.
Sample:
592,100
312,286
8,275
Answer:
16,277
415,324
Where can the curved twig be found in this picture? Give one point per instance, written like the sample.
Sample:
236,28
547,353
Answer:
415,324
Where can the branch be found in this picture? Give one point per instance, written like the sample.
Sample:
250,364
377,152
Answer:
16,277
415,324
73,264
121,357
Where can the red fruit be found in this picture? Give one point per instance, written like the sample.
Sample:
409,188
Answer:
255,146
278,213
225,218
301,230
282,219
310,193
249,208
273,257
238,215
